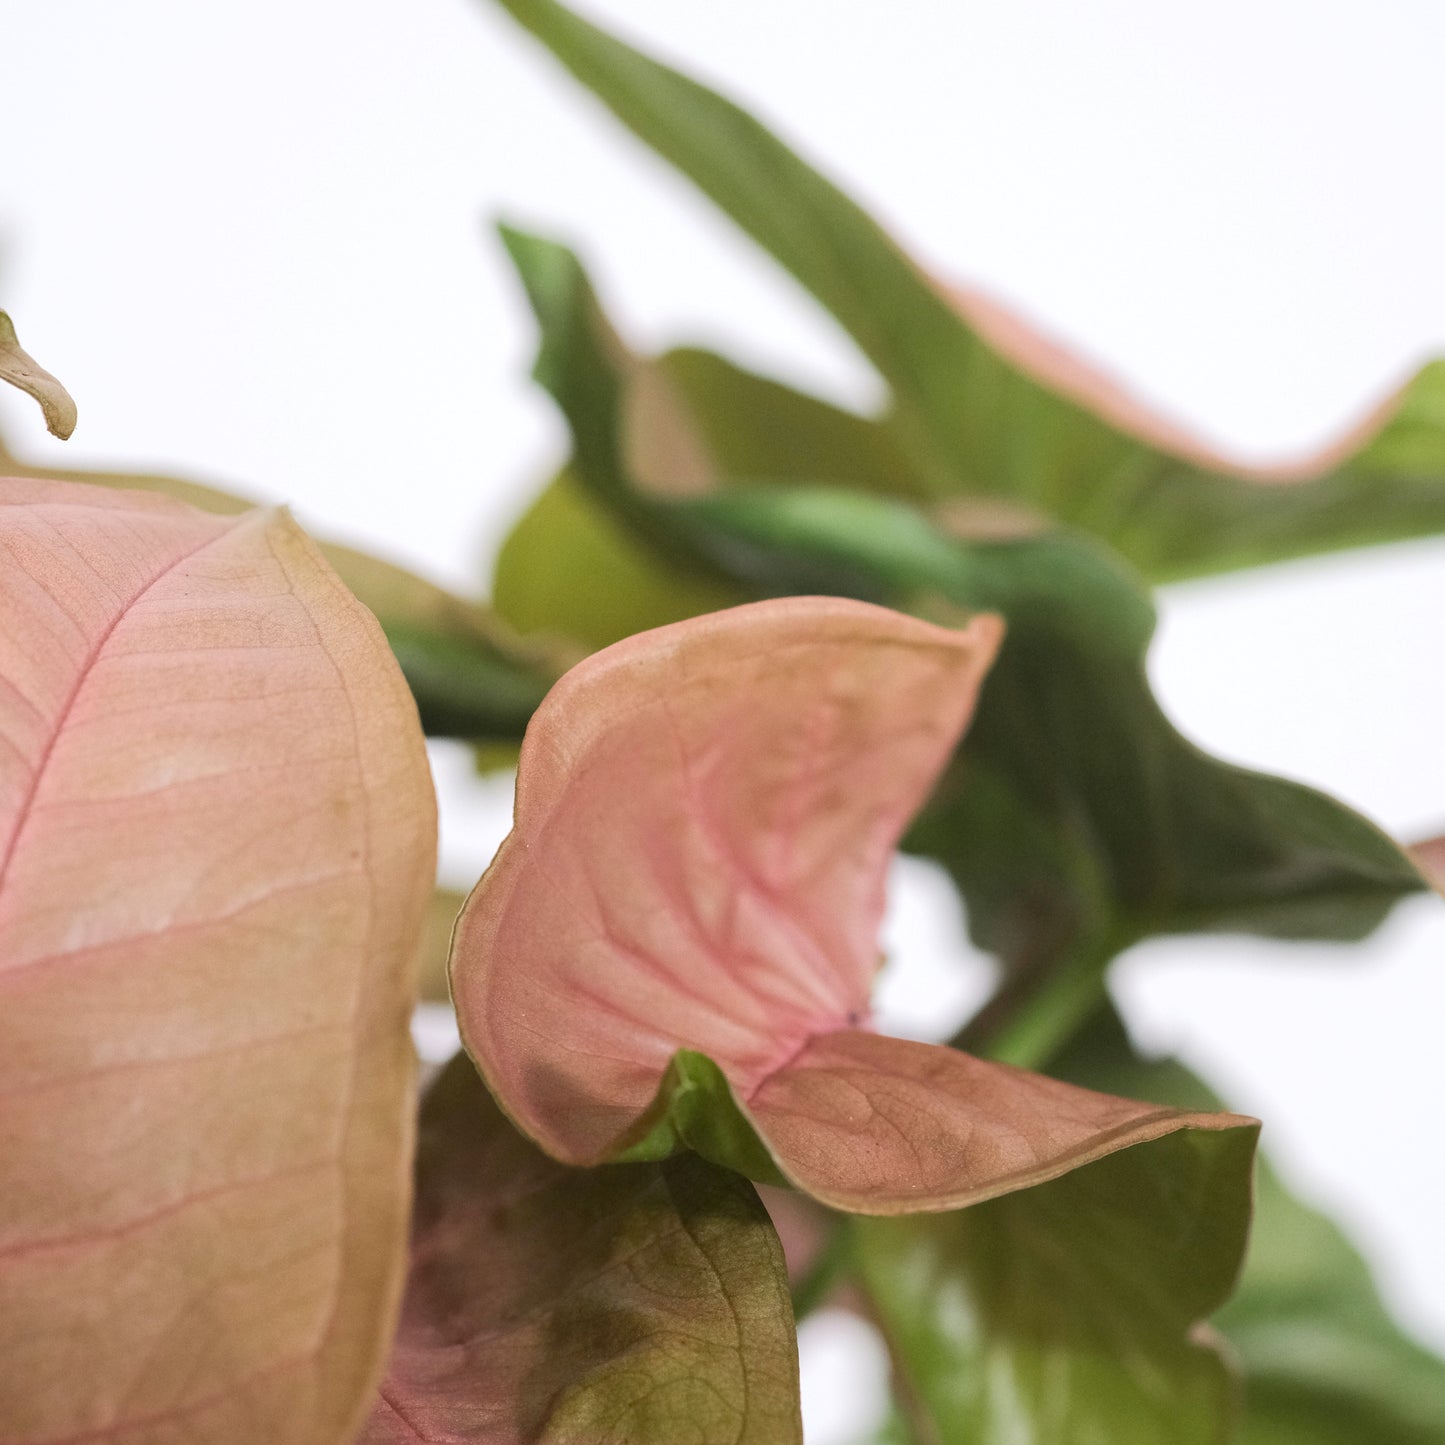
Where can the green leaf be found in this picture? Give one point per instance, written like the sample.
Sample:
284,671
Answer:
22,370
697,1109
735,423
470,676
1066,1314
985,407
644,1304
1323,1362
837,251
568,570
1076,819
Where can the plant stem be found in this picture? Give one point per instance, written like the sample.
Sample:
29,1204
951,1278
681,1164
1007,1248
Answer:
1034,1014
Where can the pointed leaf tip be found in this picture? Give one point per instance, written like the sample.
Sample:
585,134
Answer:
22,370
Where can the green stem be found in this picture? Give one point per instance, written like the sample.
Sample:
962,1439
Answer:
1034,1014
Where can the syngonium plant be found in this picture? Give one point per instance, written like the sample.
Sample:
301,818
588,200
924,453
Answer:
813,636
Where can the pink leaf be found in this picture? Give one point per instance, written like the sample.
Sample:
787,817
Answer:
705,815
216,846
1429,858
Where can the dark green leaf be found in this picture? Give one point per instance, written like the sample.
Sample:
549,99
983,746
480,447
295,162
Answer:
1067,1314
986,407
1323,1362
633,1304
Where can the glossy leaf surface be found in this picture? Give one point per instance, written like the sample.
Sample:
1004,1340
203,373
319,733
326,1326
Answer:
1321,1360
1067,1314
470,676
217,838
676,943
1079,819
638,1304
985,406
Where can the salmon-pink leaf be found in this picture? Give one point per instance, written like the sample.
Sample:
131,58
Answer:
471,676
705,815
217,840
639,1303
1429,858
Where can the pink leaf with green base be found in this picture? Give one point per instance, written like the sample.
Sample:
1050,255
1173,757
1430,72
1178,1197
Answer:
705,816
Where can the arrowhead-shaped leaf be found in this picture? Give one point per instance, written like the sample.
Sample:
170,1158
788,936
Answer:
1079,819
217,839
1322,1362
1070,1313
471,677
984,407
640,1304
675,944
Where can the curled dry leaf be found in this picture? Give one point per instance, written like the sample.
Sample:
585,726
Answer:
676,943
217,840
644,1304
22,370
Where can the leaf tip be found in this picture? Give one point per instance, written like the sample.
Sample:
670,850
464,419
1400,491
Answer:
21,370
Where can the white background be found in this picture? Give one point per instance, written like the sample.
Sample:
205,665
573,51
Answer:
254,239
